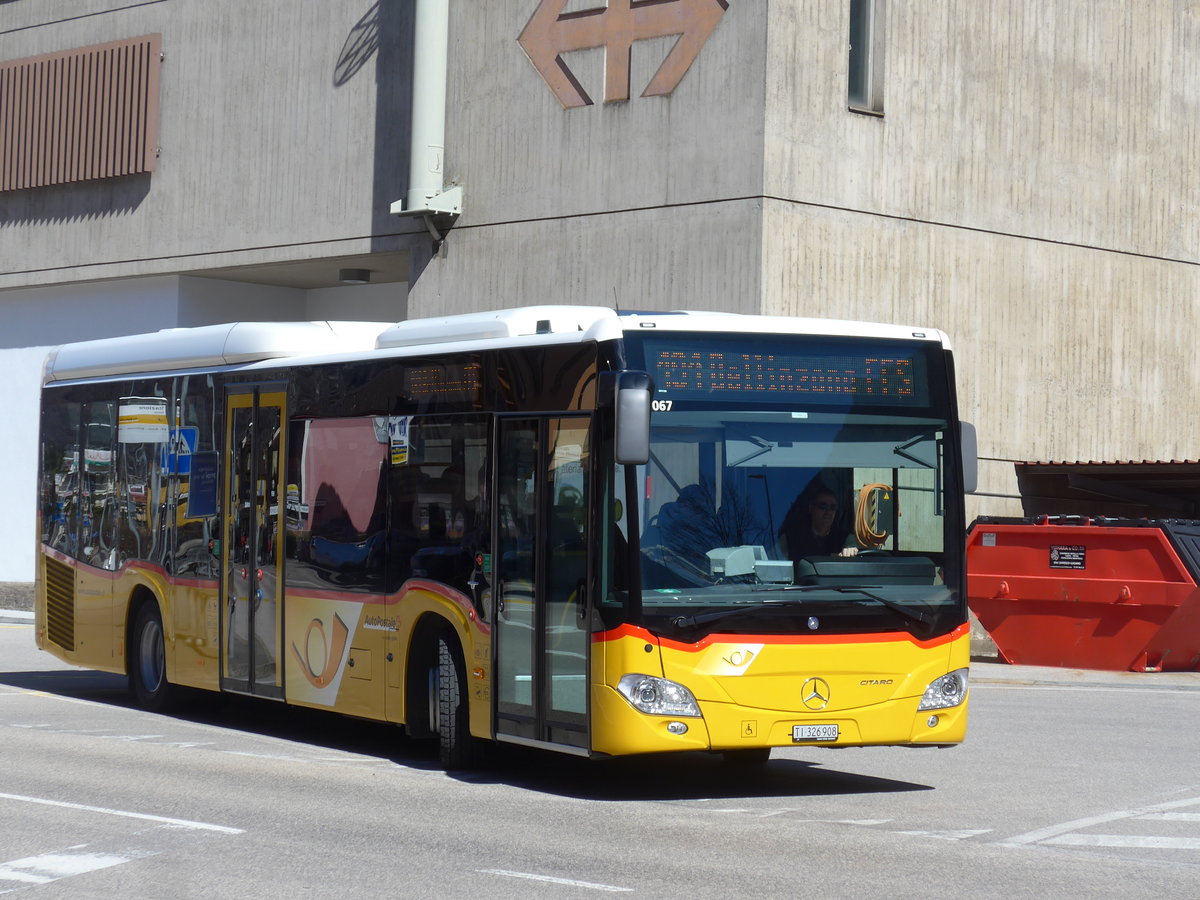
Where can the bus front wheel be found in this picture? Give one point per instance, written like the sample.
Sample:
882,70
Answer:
148,661
458,748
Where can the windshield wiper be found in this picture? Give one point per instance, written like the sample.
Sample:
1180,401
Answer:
725,612
908,612
694,620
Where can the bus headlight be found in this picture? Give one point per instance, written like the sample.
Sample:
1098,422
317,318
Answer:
946,691
657,696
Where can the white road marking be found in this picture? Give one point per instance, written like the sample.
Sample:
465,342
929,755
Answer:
23,692
53,866
1146,841
277,757
867,822
178,823
135,737
1054,831
960,834
529,876
159,740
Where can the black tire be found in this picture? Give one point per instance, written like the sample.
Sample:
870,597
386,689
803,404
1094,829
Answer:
148,661
751,756
458,748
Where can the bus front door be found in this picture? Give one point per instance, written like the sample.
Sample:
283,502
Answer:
252,544
542,638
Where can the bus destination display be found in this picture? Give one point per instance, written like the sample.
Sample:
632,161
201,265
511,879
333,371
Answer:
711,371
444,381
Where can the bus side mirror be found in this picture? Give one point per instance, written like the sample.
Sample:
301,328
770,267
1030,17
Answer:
970,457
633,418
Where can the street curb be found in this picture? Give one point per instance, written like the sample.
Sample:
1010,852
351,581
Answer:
994,673
16,617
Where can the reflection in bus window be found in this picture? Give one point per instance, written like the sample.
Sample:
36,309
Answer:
97,497
335,513
437,491
194,510
60,477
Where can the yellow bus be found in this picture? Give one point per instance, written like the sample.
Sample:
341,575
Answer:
570,528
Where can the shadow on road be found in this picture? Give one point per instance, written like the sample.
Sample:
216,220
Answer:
686,776
82,684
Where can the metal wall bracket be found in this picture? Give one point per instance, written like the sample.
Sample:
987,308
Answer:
448,202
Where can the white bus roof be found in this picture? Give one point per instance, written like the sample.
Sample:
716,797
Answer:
501,323
245,343
206,346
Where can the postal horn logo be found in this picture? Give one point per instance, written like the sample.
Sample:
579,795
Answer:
616,27
322,653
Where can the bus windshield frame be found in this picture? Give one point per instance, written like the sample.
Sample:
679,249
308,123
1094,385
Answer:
753,438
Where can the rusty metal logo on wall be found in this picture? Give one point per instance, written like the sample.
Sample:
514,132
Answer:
551,33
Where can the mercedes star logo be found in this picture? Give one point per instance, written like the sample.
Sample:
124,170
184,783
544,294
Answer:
815,693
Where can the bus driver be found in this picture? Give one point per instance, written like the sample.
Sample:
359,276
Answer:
816,530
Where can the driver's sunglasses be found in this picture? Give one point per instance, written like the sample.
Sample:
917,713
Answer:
826,507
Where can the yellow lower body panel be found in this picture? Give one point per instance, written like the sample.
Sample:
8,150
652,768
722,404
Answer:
754,692
619,730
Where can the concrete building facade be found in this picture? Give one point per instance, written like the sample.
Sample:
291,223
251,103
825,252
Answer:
1019,175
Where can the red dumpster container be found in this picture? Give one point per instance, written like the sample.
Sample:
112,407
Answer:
1110,594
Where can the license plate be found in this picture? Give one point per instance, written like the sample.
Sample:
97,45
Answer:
814,733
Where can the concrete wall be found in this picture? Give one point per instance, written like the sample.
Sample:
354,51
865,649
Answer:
20,373
283,135
1031,189
1069,121
654,203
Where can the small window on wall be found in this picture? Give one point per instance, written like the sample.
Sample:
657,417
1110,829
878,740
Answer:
865,82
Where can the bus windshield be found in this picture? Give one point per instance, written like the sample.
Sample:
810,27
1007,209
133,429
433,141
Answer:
817,509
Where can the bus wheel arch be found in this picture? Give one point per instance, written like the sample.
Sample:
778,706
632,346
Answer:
146,653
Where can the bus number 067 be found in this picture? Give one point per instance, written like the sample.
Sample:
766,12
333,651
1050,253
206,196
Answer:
661,405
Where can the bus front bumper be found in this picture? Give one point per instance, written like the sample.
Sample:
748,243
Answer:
618,729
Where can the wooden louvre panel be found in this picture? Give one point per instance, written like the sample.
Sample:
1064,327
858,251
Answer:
80,114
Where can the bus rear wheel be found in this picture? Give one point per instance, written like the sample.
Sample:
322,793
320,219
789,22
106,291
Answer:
458,749
148,661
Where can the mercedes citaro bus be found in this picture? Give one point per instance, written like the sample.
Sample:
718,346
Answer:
562,527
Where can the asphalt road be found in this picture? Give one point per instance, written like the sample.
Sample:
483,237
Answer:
1071,784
